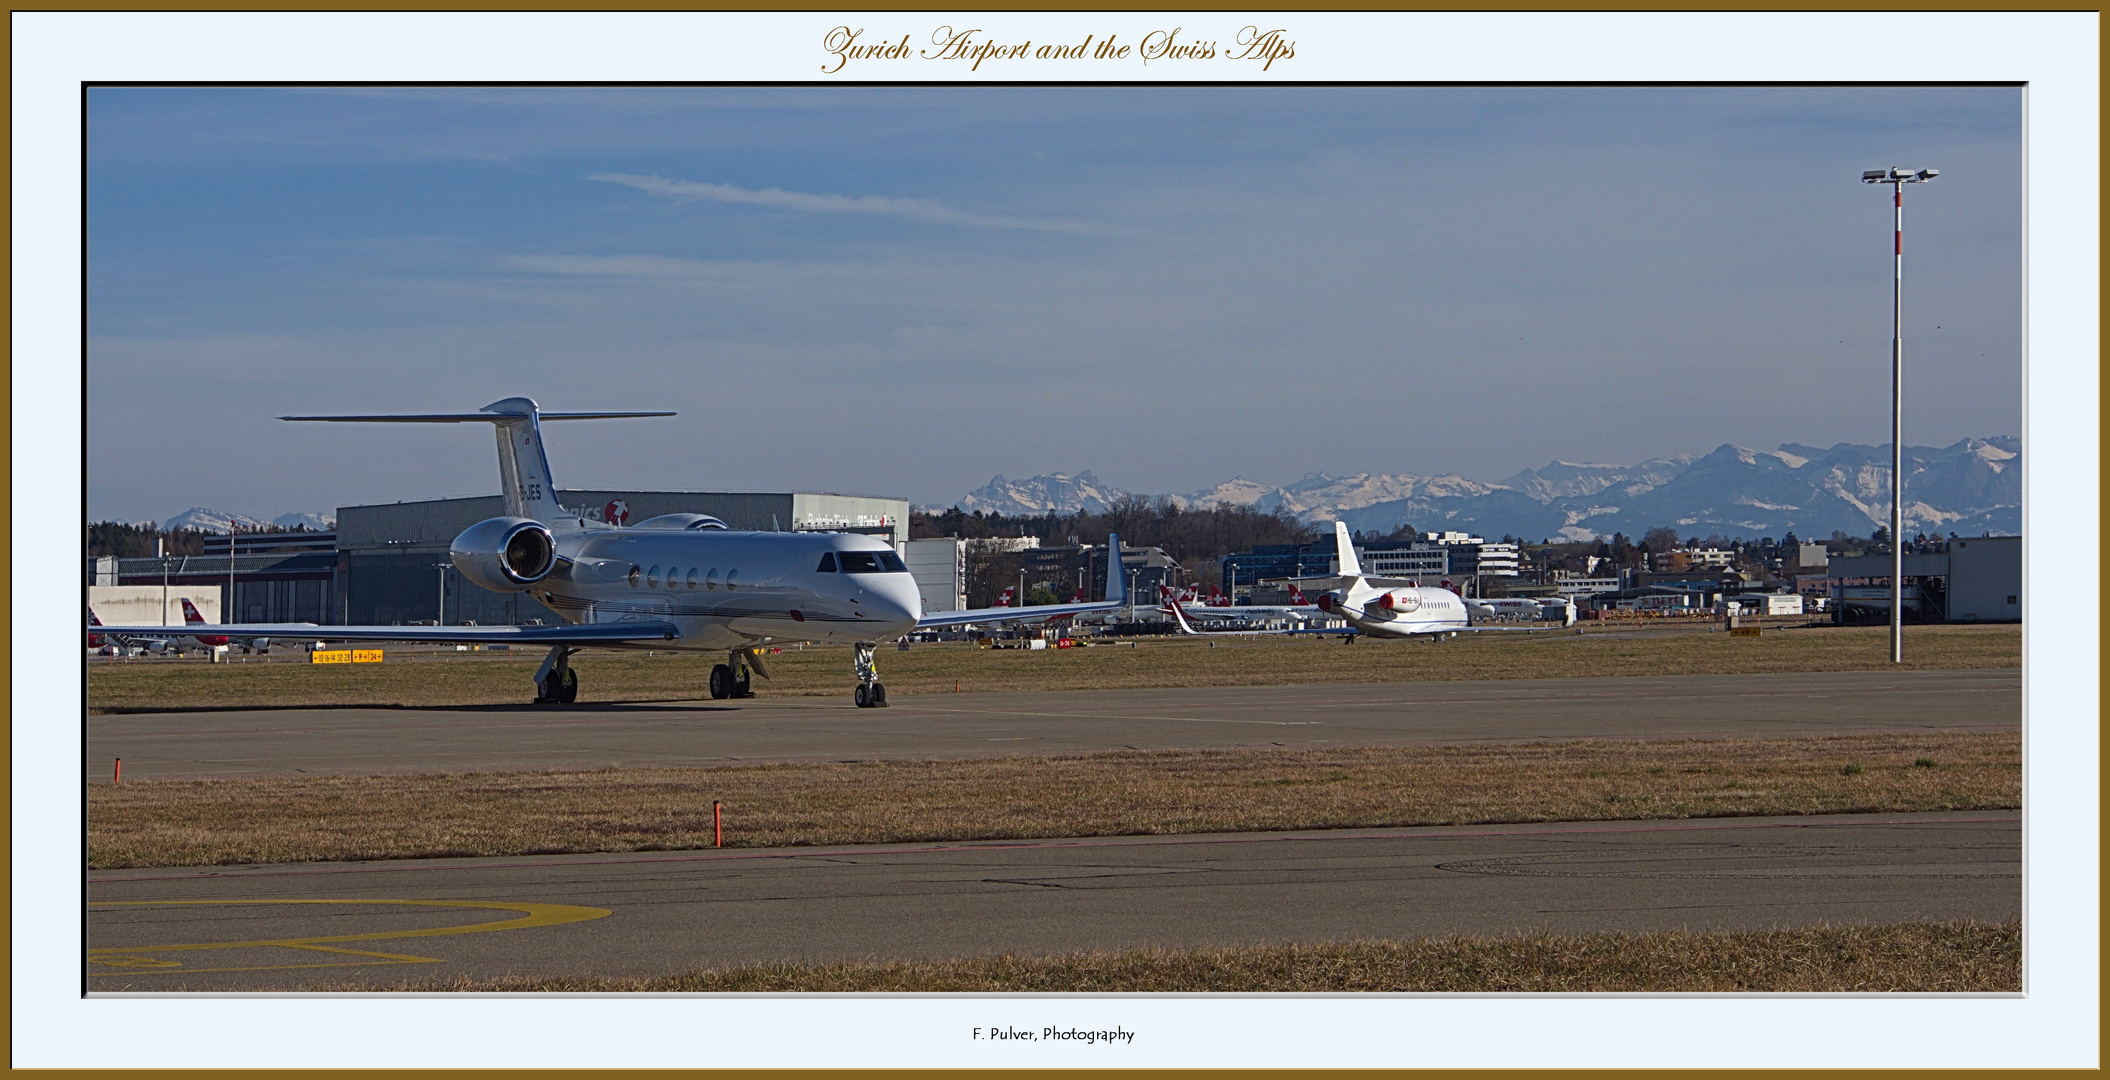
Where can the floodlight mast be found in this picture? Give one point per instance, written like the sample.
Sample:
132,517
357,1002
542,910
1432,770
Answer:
1897,179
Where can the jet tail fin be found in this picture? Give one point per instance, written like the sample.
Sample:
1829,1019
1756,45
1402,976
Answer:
523,468
1180,617
1116,572
1350,565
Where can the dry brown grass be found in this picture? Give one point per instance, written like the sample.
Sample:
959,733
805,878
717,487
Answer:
426,679
1932,957
219,822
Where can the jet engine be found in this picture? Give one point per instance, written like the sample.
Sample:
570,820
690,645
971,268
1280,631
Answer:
504,554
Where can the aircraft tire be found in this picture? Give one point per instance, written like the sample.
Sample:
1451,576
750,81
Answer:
744,686
722,681
570,691
878,695
859,696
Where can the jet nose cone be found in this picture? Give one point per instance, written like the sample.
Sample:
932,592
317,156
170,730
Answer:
896,603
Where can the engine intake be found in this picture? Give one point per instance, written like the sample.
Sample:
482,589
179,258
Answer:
505,554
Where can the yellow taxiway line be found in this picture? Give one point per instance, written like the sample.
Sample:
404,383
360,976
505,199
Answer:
129,963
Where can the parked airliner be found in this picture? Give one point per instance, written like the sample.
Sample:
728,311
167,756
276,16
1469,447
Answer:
675,582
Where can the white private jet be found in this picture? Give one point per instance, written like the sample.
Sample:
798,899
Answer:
1384,607
682,582
1390,607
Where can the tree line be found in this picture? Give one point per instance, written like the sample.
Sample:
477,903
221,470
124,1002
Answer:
1185,533
1194,537
116,538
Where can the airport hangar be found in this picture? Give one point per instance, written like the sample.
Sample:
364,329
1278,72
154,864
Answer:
386,564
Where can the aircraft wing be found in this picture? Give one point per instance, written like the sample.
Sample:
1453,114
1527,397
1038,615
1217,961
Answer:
641,632
1044,612
1116,597
1186,627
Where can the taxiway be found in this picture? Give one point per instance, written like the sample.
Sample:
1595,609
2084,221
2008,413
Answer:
284,742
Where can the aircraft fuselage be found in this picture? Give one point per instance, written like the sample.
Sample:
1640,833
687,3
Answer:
727,589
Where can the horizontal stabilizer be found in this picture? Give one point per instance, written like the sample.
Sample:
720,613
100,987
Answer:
470,418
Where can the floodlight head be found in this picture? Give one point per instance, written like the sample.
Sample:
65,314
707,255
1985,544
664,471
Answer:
1895,175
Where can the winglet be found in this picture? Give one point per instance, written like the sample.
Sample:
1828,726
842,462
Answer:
1116,575
1350,565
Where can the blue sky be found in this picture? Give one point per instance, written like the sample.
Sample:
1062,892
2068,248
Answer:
904,290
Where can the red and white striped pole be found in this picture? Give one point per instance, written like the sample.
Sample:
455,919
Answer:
1897,434
1897,179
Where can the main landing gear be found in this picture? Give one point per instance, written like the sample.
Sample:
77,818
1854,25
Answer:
555,681
732,679
870,692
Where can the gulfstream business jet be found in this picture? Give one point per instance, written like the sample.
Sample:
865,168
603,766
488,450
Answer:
681,582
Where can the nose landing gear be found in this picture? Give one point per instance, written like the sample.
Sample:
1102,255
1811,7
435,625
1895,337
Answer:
870,692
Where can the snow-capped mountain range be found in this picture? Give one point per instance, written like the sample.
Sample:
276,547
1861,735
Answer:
204,519
1972,487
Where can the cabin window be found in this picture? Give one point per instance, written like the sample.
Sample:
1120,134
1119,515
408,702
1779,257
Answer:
652,577
732,579
692,577
827,564
634,571
710,580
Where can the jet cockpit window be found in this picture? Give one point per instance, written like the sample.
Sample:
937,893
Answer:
872,562
827,564
633,577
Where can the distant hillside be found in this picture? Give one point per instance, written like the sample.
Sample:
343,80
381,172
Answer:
1971,487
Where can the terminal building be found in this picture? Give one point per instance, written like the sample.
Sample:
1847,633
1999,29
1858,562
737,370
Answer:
1430,556
1978,579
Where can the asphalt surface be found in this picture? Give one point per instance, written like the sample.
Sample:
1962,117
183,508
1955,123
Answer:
375,925
278,742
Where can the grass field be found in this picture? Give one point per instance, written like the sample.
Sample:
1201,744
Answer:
1911,957
223,822
412,678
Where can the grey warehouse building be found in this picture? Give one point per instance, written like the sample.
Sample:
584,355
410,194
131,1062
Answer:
392,557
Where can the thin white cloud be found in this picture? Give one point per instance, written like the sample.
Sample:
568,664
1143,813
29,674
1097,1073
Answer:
919,209
624,266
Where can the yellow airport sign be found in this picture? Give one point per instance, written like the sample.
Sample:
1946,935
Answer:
345,656
1744,631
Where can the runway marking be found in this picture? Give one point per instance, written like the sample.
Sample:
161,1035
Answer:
122,956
